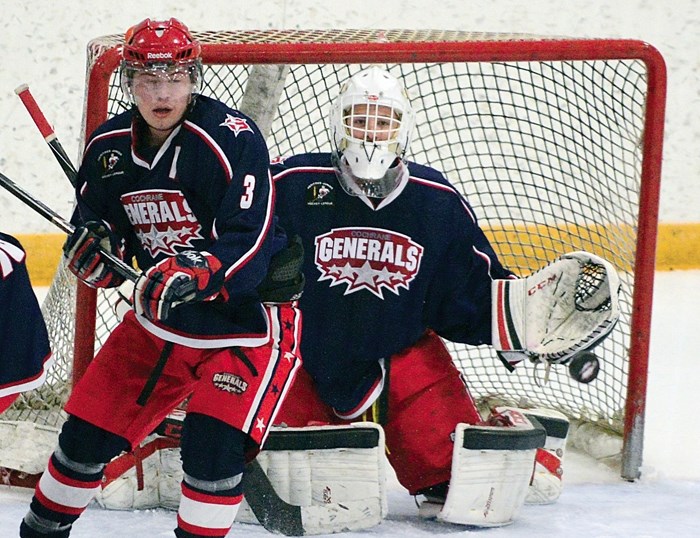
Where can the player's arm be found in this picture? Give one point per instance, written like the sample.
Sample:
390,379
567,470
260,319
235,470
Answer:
25,349
93,233
566,307
244,227
458,303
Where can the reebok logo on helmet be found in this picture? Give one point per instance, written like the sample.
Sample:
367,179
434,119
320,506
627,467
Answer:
159,55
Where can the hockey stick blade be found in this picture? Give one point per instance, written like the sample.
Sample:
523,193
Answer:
278,516
47,132
272,512
49,214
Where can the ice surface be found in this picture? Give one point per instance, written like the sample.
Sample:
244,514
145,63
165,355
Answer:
595,501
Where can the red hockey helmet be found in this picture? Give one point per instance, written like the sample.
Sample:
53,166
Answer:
160,42
161,48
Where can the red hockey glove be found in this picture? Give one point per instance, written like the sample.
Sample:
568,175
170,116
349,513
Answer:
187,277
82,250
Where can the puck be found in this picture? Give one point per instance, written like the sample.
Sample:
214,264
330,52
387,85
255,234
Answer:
584,367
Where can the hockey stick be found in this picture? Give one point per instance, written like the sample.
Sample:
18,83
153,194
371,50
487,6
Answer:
49,135
118,265
123,269
47,132
273,513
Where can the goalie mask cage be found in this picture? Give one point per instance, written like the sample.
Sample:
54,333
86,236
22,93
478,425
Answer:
556,143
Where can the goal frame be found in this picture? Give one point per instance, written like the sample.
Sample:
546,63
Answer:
491,49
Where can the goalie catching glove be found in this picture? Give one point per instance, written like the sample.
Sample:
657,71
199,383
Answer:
568,306
189,276
83,249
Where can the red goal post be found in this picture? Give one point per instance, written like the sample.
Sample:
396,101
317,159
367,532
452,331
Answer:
556,143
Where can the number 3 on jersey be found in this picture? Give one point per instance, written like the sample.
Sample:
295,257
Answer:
248,188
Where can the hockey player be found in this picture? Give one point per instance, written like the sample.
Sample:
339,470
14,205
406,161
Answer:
181,184
25,353
395,261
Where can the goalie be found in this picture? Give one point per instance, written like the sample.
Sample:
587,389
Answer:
395,263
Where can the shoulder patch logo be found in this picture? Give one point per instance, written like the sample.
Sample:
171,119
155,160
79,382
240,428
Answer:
110,161
371,259
237,125
320,193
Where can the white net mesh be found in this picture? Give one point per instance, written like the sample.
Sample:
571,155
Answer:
549,154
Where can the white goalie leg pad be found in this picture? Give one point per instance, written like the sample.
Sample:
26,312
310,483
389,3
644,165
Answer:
147,478
547,480
25,446
491,471
170,477
322,467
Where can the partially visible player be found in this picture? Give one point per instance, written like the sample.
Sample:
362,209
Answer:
25,352
395,262
180,183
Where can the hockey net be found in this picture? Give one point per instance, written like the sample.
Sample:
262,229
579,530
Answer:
556,143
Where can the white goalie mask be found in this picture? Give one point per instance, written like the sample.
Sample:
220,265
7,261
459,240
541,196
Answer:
371,123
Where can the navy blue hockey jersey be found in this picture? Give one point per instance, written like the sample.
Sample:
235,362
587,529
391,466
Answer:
25,354
208,187
377,277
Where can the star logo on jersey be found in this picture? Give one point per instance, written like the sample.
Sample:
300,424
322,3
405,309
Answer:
371,259
237,125
162,220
